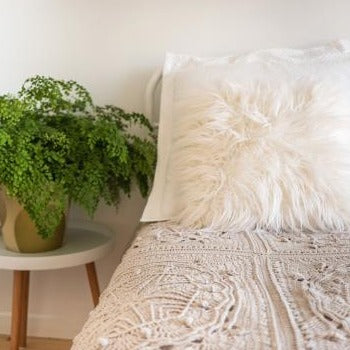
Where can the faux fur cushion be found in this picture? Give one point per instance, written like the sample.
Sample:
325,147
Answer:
264,155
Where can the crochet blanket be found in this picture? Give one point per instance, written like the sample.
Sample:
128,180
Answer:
183,289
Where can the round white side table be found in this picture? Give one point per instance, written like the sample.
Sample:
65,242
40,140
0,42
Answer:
85,242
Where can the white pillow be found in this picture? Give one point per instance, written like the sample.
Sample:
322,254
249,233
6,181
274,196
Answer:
272,155
186,76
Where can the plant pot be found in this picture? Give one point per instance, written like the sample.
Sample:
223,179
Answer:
19,231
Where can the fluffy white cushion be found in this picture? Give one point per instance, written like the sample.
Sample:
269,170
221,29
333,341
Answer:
273,155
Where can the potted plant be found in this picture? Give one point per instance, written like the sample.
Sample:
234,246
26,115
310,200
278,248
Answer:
57,147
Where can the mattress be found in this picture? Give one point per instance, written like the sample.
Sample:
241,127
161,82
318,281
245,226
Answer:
185,289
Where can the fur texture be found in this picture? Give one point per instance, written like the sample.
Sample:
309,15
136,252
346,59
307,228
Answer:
264,155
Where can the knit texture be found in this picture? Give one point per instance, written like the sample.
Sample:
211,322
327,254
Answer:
196,289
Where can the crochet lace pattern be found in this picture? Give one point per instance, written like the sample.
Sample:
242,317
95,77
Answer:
186,289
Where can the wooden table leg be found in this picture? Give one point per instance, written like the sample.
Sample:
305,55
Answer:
24,316
93,281
17,300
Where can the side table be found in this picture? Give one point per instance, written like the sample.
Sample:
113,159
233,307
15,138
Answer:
85,242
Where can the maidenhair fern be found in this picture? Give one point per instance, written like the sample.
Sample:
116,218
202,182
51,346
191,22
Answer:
57,146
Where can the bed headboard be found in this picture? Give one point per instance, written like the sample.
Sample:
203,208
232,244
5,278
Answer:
152,94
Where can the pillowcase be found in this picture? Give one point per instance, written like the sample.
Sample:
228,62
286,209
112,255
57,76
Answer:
187,79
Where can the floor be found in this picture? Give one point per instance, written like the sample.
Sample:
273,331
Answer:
39,344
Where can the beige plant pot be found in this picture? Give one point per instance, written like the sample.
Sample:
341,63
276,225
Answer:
19,231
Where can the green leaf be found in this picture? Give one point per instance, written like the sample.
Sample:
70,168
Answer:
56,146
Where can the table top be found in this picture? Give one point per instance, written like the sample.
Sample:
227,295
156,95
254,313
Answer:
85,242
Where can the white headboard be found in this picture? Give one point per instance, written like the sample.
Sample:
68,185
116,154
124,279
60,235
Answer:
150,96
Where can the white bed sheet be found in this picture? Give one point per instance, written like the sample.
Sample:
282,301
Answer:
180,289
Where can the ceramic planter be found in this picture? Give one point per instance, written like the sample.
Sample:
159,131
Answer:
19,231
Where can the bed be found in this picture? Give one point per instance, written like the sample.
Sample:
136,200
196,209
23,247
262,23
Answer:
178,289
218,288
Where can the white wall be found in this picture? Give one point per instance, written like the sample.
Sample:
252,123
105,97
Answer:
112,47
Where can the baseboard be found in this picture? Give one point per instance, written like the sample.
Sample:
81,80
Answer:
45,326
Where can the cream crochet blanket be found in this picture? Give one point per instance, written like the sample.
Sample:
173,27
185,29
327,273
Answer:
181,289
